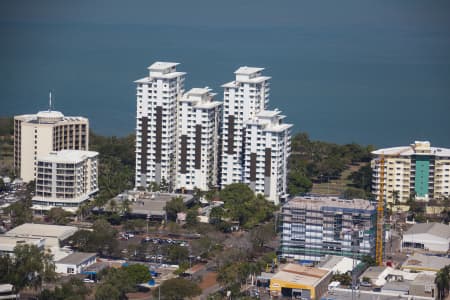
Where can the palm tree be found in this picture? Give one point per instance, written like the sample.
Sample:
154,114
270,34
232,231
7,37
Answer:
442,281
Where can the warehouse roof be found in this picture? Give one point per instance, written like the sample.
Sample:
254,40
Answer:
76,258
43,230
300,274
437,229
425,262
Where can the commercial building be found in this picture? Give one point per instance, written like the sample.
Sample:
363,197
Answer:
75,263
425,263
418,170
429,237
8,243
156,124
243,98
313,227
297,281
52,235
424,286
65,179
338,264
266,151
150,205
39,134
199,119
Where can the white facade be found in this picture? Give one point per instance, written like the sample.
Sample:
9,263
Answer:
243,98
198,139
156,123
266,151
434,237
65,179
75,263
39,134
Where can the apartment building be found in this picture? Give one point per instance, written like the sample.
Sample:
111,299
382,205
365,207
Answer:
266,151
199,119
65,179
417,170
156,124
39,134
313,227
243,99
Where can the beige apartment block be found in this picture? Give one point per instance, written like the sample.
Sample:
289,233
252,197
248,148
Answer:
417,170
65,179
39,134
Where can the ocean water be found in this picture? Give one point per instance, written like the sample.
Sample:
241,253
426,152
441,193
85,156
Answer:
382,85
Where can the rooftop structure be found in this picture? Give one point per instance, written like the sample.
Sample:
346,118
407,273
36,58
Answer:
417,170
308,282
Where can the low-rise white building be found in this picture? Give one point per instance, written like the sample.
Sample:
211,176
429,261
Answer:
434,237
8,243
75,262
65,179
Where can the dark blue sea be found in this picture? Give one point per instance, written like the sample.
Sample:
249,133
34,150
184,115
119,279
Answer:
372,74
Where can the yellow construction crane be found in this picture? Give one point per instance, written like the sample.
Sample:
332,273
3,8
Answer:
380,216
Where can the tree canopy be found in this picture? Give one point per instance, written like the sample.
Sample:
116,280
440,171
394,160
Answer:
177,289
241,204
28,267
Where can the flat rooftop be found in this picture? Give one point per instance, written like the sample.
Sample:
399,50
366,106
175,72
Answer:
43,230
248,70
425,262
300,274
150,204
68,156
322,202
8,243
76,258
418,148
162,65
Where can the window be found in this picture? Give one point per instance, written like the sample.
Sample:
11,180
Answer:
70,271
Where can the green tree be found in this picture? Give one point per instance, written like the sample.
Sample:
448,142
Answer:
74,289
107,291
192,217
368,260
442,281
177,253
20,212
354,193
344,279
362,178
58,216
262,234
173,207
298,183
177,289
138,273
29,267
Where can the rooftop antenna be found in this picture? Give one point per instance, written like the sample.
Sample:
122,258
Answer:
49,100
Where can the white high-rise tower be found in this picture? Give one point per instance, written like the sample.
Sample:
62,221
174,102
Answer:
199,118
244,98
156,123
